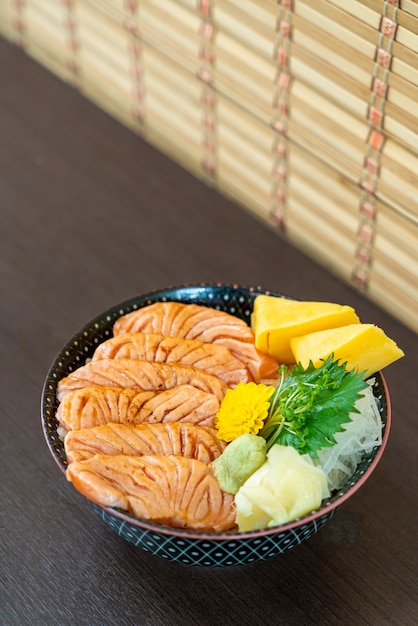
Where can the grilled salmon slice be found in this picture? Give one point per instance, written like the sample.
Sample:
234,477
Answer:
95,406
212,358
145,375
190,321
193,321
180,439
170,490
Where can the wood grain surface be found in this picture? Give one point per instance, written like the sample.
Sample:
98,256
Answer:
90,216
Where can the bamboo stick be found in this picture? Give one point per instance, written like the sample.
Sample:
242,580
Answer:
232,183
8,22
388,289
318,240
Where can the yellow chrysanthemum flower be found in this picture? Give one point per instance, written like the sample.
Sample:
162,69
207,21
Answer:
243,410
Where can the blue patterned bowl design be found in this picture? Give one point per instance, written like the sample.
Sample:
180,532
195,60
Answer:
195,548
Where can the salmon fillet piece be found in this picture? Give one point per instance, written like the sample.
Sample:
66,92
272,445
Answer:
177,319
134,374
212,358
180,439
94,406
170,490
193,321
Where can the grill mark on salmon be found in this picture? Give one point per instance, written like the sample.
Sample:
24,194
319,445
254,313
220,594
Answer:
176,319
169,490
145,375
212,358
95,406
193,321
180,439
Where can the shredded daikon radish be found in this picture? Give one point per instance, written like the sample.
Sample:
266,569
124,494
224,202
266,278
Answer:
361,435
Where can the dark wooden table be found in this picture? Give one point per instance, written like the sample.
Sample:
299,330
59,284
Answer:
90,216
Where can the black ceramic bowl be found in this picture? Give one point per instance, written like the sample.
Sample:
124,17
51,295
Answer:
186,546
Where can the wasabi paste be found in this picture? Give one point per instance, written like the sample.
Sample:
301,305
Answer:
240,459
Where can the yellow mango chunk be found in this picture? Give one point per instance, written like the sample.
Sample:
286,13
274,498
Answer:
275,321
365,347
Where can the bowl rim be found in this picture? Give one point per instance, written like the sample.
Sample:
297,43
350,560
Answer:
232,535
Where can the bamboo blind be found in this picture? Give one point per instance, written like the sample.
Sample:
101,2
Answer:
305,112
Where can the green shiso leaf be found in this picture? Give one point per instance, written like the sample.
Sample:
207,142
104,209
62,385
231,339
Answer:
310,405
